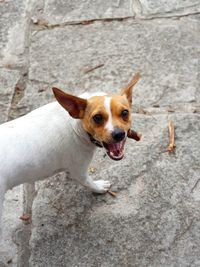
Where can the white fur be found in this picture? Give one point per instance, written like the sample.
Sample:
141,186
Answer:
42,143
109,125
87,95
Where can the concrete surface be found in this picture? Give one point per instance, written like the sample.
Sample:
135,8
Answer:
155,218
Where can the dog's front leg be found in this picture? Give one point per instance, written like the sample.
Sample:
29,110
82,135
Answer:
99,186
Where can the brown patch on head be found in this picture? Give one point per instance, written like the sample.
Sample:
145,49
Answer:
121,112
97,116
95,107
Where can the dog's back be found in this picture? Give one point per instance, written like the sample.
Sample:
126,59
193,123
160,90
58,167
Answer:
31,141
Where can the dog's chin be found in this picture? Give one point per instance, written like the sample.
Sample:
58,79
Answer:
115,150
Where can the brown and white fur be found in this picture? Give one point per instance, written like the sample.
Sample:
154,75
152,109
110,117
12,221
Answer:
48,140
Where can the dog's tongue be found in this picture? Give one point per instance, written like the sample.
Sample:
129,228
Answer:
116,148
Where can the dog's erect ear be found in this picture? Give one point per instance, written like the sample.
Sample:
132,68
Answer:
73,104
127,90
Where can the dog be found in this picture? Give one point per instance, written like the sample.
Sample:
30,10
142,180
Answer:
49,140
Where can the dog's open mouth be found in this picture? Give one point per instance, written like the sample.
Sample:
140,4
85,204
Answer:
115,150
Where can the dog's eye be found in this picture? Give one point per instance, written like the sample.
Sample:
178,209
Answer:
124,114
98,119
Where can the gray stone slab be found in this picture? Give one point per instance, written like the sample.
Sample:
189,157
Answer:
163,8
12,32
74,11
165,52
153,221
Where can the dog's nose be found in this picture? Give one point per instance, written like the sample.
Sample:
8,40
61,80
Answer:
118,134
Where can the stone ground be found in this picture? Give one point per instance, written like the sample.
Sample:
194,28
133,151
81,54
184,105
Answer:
155,218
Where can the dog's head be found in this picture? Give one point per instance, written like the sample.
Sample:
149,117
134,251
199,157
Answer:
106,118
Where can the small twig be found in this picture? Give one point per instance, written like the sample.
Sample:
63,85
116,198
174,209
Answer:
113,194
40,22
171,145
156,105
93,68
171,110
180,235
196,167
24,217
134,135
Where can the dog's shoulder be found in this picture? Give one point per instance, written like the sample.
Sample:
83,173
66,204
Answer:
49,112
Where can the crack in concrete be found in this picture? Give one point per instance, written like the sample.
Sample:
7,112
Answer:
17,96
170,16
41,24
195,185
136,8
186,108
44,25
180,235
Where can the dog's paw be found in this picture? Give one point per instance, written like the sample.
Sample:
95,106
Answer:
102,186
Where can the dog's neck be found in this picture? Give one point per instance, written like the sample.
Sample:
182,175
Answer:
79,131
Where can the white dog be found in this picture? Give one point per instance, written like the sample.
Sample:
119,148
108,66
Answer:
48,140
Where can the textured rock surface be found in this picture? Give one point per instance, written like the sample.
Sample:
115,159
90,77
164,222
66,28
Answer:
75,11
166,53
163,8
12,32
155,218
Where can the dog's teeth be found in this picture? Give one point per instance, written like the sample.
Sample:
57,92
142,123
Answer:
112,154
